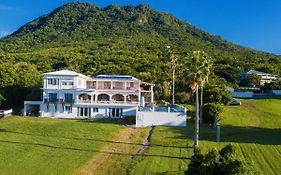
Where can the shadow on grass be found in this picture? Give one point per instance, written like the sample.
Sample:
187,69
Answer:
91,139
89,150
236,134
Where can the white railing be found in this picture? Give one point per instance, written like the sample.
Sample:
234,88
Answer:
107,102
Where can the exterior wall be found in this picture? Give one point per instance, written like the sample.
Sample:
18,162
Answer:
103,111
160,118
276,92
242,94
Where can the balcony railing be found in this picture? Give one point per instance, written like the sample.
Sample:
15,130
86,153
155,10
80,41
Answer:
107,102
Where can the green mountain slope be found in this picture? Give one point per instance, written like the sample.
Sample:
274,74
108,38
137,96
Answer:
124,40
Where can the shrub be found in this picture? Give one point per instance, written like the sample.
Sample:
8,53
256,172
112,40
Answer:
214,163
182,97
210,111
216,94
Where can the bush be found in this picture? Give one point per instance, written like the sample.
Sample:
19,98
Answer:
214,163
130,120
216,94
210,111
182,97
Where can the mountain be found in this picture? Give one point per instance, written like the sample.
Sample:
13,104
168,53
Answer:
124,40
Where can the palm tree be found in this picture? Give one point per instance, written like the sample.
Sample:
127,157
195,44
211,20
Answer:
207,70
172,64
196,73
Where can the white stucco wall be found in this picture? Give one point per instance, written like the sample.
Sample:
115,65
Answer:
160,118
242,94
276,92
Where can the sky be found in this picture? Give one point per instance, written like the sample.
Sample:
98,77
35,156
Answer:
252,23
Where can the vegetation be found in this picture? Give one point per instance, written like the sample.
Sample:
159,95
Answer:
211,113
274,85
216,94
214,162
115,40
197,70
251,79
252,128
51,146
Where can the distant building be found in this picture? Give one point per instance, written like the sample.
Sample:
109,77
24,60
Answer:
265,77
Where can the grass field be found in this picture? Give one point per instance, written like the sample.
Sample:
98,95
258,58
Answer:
253,128
51,146
56,146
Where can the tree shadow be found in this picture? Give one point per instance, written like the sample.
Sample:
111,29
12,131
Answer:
90,150
239,134
235,134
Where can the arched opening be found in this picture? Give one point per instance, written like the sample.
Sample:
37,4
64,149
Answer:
118,98
103,97
84,98
132,98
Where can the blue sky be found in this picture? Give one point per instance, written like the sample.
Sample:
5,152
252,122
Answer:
252,23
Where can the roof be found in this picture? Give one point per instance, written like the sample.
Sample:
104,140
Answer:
66,72
255,72
116,77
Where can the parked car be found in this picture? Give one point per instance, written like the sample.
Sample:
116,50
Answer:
235,102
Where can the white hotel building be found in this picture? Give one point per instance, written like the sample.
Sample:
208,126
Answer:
67,94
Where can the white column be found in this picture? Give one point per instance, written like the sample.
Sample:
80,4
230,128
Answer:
125,98
152,94
97,84
96,97
110,98
111,85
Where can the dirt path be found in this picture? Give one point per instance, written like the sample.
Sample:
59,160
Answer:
116,157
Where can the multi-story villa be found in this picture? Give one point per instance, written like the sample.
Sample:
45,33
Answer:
68,94
265,77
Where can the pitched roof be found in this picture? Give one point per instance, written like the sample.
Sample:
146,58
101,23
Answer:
255,72
66,72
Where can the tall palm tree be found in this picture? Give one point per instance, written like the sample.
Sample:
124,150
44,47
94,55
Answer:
207,70
173,65
196,73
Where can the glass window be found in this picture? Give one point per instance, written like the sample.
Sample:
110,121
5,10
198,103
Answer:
68,96
52,96
64,83
95,109
70,83
68,108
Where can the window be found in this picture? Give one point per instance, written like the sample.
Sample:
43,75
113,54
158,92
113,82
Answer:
70,83
64,83
52,97
53,81
115,112
68,97
95,109
67,108
107,85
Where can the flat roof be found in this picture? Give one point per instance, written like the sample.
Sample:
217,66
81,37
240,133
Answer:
118,77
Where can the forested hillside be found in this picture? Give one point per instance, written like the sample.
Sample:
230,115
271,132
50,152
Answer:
116,39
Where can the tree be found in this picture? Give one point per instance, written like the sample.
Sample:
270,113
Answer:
196,73
252,78
207,70
211,113
217,94
172,64
215,162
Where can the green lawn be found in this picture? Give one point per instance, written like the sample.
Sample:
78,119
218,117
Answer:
51,146
254,128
